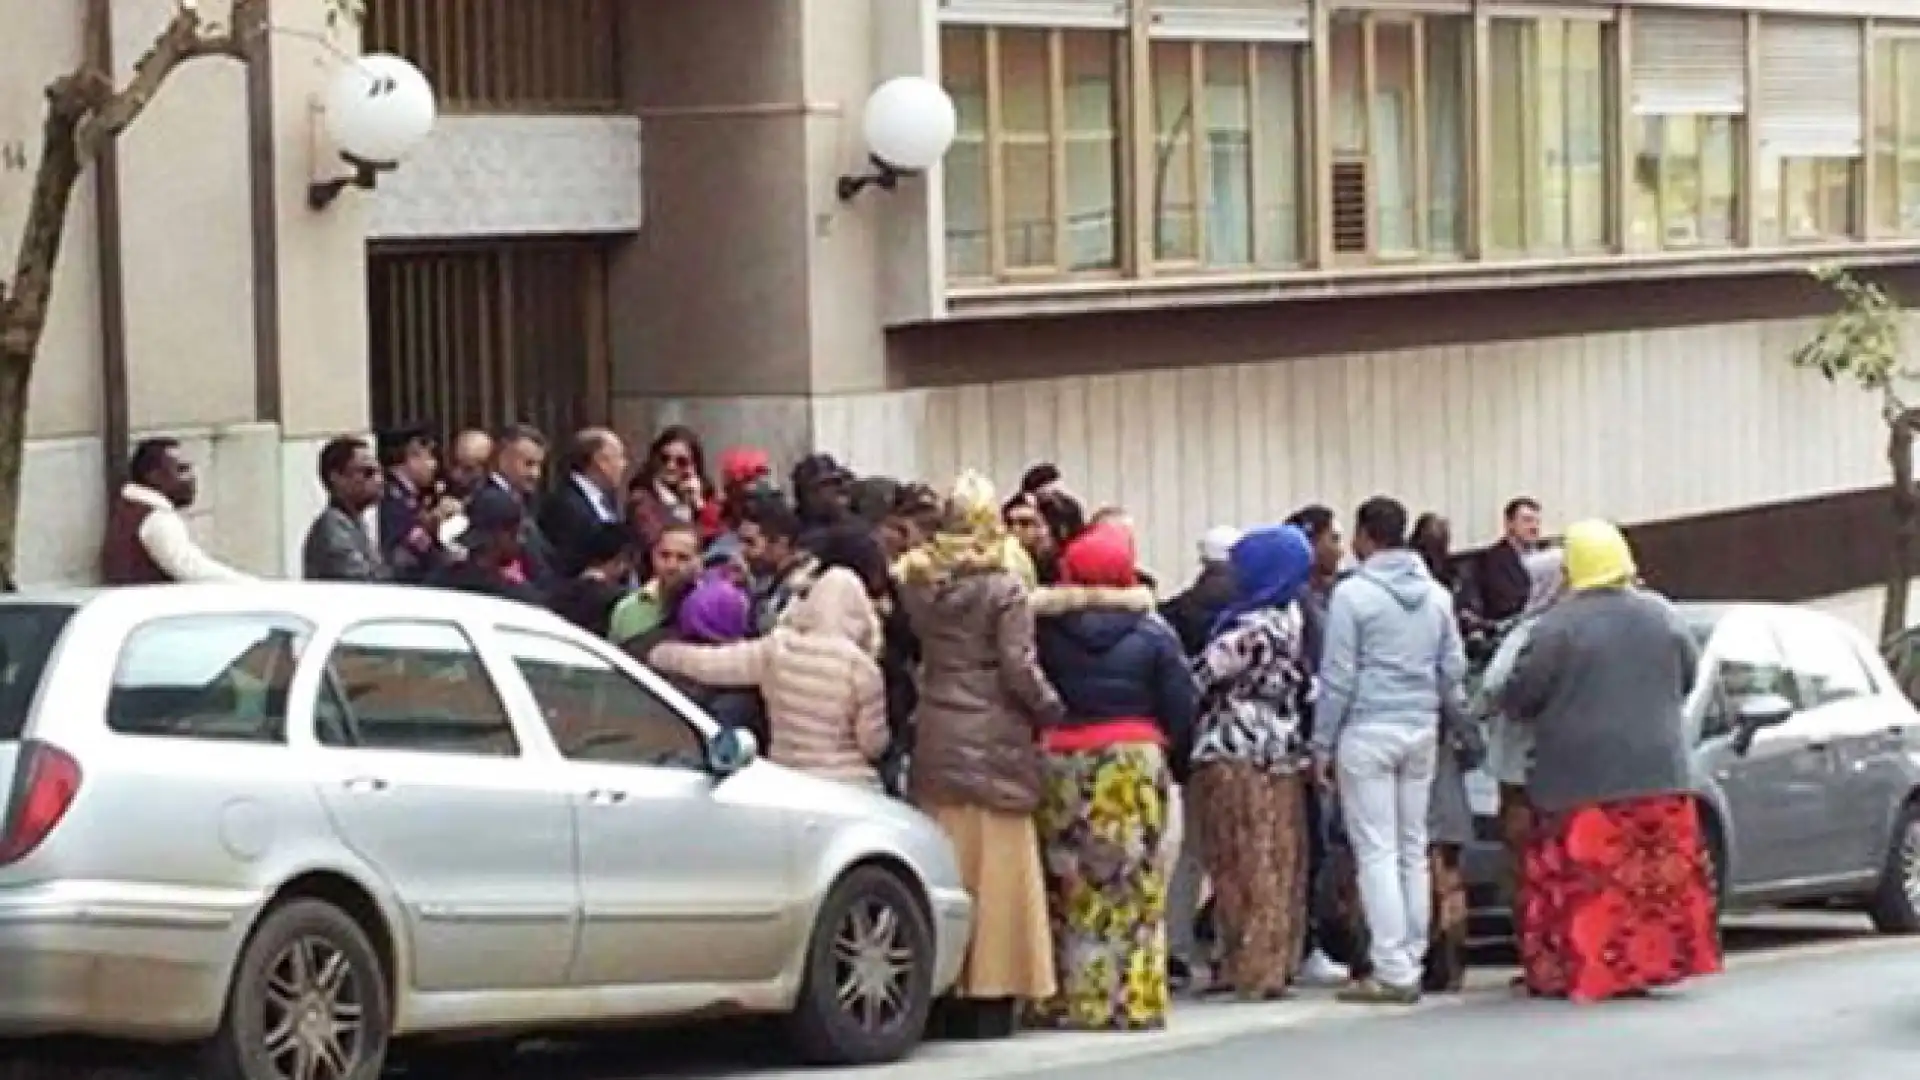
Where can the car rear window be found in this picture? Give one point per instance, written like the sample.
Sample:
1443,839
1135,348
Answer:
28,633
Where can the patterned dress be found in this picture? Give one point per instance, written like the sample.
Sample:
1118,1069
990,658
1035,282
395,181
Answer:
1250,814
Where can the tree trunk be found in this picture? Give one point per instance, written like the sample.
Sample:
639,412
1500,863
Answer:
1905,507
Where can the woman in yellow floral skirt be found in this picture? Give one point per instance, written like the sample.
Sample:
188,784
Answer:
1129,701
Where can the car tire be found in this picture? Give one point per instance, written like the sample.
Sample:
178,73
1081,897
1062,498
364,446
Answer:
871,925
1895,906
304,953
1713,846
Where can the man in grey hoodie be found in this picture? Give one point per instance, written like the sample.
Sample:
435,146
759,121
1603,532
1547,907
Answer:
1392,659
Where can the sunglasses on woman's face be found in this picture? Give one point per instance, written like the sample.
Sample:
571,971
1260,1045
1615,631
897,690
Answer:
678,461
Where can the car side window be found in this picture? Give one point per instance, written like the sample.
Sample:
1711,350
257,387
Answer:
1823,664
597,712
411,685
217,677
1747,662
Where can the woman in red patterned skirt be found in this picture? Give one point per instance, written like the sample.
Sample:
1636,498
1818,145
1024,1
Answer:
1618,899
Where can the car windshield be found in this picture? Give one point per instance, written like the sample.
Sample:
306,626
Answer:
28,633
1701,622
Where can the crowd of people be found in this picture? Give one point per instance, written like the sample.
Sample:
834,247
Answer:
1254,782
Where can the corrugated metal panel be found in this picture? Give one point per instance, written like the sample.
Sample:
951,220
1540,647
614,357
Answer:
1633,426
1092,14
1809,101
1689,63
1230,20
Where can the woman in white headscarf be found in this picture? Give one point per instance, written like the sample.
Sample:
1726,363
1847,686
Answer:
1510,747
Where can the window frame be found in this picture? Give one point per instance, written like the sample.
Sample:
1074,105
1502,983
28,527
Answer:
1199,164
1902,44
994,140
1416,18
503,636
1613,119
328,683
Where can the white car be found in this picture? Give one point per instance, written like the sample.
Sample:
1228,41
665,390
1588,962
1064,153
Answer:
289,822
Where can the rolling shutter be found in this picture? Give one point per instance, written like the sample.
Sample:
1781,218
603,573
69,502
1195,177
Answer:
1230,20
1084,14
1688,63
1809,103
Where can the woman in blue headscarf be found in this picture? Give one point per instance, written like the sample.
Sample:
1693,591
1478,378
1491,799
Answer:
1248,766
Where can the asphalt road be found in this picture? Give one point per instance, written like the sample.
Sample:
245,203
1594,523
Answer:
1843,1015
1806,996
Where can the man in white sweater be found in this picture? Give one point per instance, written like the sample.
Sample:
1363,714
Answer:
147,541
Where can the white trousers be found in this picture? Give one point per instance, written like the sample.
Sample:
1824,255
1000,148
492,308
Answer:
1385,773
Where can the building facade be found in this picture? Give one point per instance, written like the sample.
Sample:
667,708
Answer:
1215,258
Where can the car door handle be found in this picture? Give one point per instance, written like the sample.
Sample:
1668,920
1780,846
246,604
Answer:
1818,747
605,797
366,785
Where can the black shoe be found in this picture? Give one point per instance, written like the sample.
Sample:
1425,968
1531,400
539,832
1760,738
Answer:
1179,975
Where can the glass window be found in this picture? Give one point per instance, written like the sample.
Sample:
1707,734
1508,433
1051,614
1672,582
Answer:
1806,200
28,633
1896,136
1821,663
1227,125
1407,148
963,65
1686,182
596,712
1549,140
221,677
1032,183
416,686
1747,662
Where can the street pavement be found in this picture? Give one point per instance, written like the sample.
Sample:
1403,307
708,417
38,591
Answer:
1806,995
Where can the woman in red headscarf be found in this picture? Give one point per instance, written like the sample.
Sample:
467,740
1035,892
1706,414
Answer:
1129,704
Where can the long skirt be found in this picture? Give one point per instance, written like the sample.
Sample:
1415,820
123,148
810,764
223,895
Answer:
1617,900
1103,824
1011,955
1516,831
1252,831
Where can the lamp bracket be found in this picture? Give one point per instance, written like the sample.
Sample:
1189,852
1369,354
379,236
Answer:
364,175
881,174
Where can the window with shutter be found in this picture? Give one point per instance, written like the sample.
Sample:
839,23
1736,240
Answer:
1809,101
1229,20
1350,206
1896,133
1076,14
1688,63
1809,113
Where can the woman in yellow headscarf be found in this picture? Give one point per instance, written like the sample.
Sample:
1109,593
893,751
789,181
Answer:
1619,898
975,765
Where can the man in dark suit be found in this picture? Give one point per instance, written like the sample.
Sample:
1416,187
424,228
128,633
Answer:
585,501
519,460
1500,583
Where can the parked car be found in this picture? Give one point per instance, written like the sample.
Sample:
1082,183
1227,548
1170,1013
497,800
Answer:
1806,762
286,820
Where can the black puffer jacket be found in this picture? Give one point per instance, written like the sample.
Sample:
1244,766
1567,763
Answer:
1111,657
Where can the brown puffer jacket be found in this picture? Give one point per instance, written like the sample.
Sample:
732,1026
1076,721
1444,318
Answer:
983,698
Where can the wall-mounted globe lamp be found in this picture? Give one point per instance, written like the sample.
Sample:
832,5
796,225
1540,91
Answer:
909,124
376,110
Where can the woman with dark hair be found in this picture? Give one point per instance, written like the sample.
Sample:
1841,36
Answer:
1432,540
672,487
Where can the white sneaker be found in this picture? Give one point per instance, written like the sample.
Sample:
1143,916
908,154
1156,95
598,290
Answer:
1320,970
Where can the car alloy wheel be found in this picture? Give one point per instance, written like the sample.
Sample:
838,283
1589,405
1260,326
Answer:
873,965
314,1012
1910,863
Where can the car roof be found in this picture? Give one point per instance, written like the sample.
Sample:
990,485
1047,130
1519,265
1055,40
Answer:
317,601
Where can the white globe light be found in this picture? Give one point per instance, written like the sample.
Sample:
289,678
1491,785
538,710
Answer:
378,108
910,123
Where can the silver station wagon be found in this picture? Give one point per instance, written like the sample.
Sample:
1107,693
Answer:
287,823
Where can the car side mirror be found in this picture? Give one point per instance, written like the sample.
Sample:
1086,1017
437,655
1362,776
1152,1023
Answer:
1755,713
1763,711
730,751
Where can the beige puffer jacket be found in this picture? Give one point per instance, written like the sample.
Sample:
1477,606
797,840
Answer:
826,701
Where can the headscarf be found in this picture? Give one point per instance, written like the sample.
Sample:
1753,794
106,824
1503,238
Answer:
971,536
715,611
1546,573
1102,557
837,605
1270,567
1598,557
741,465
